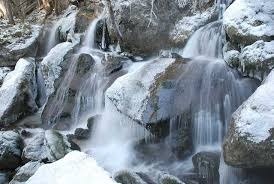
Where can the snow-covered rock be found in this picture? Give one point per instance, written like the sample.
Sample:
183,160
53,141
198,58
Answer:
246,21
75,167
146,25
18,41
168,179
126,177
25,172
55,64
18,92
256,60
140,95
3,72
184,28
47,146
10,150
250,139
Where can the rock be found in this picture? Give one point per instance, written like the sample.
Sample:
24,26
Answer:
82,134
150,102
256,60
10,150
250,139
128,177
18,92
246,21
75,167
25,172
92,120
46,146
18,41
206,164
113,63
150,22
169,179
55,64
184,28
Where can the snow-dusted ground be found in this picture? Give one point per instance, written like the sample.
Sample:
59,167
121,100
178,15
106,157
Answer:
75,167
255,118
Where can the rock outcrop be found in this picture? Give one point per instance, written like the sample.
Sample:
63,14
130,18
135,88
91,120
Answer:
18,92
249,28
249,143
46,146
75,167
145,26
11,146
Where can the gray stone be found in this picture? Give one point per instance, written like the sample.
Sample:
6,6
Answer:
128,177
10,150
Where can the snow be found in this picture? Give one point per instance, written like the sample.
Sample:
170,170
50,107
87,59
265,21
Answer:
250,17
255,118
51,64
184,28
132,93
75,167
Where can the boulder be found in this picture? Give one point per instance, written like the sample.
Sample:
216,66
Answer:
145,26
18,41
82,134
75,167
256,60
25,172
18,92
128,177
113,63
144,95
206,164
249,142
46,146
246,21
11,146
169,179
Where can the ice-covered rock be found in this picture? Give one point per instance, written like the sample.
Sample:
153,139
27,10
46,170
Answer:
18,41
142,95
169,179
75,167
246,21
145,26
46,146
25,172
10,150
55,64
256,60
18,92
249,143
184,28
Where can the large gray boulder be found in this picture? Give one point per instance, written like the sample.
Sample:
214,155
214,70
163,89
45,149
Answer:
18,92
25,172
11,146
46,146
249,143
18,41
145,26
256,60
246,21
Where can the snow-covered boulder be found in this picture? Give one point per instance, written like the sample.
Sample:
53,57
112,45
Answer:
25,172
256,60
246,21
18,41
47,146
249,143
10,150
55,65
184,28
75,167
18,92
145,26
142,94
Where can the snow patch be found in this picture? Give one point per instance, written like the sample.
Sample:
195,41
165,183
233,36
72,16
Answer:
75,167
